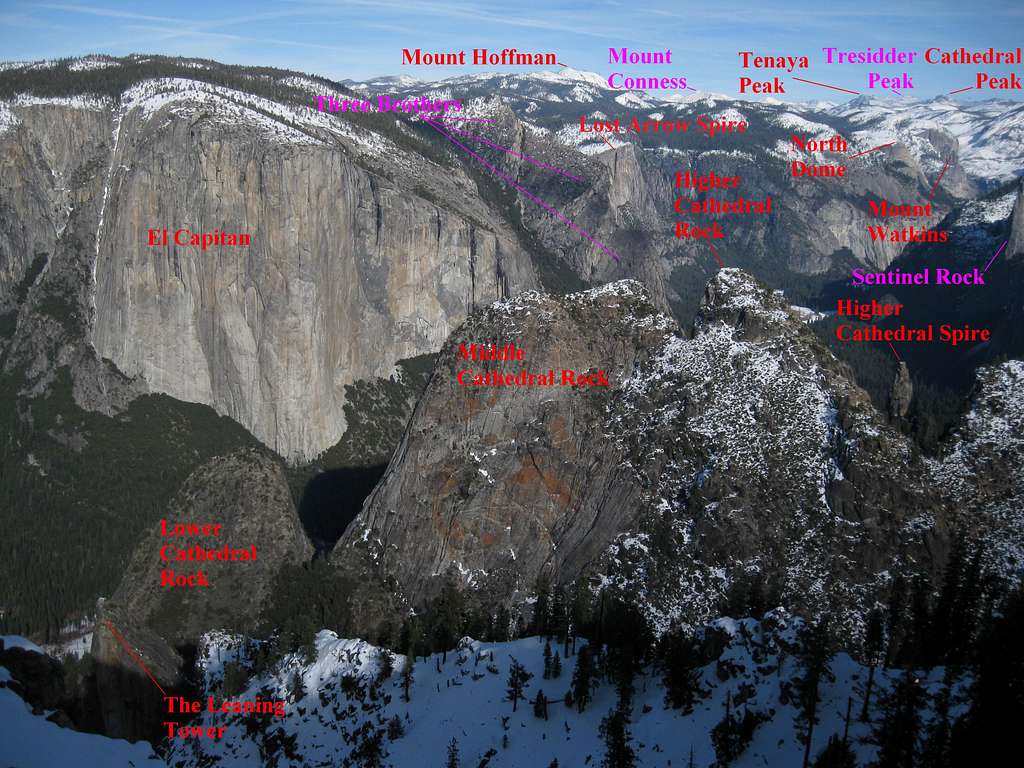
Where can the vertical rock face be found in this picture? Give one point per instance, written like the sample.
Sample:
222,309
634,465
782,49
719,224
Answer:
45,155
981,465
744,452
346,273
1016,244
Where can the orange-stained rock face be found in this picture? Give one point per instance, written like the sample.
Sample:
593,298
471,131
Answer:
745,449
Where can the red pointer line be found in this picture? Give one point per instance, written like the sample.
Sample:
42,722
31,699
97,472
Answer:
938,180
715,254
968,88
124,644
606,140
893,350
561,64
823,85
880,146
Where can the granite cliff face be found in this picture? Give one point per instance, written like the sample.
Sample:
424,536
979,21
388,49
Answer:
743,452
348,271
1016,242
352,265
372,239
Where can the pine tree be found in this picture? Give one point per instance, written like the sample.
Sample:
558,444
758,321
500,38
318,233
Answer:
733,734
836,754
567,699
582,679
541,608
395,728
873,645
407,677
556,666
553,763
559,616
408,636
936,750
680,662
540,706
989,733
502,623
618,753
446,616
369,752
547,659
813,655
579,613
915,651
966,610
453,754
386,661
623,671
895,618
298,687
518,678
945,606
898,733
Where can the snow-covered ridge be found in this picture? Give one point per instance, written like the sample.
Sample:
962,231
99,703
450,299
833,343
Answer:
7,119
90,63
282,122
339,700
987,211
81,101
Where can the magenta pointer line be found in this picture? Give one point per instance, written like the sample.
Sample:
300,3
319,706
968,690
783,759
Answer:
527,158
525,191
469,119
994,257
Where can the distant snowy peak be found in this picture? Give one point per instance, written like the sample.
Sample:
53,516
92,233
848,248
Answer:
989,134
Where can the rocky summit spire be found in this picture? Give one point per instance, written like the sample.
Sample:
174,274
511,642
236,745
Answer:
902,393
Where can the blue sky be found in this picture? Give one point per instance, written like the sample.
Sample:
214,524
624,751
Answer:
365,38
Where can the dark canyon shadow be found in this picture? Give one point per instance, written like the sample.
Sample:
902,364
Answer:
332,499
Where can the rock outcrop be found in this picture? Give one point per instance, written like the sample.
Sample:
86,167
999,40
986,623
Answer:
744,452
246,493
501,483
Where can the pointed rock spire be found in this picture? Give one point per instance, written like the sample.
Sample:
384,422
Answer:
902,393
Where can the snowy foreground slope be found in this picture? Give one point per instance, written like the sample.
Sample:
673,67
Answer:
465,698
31,741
